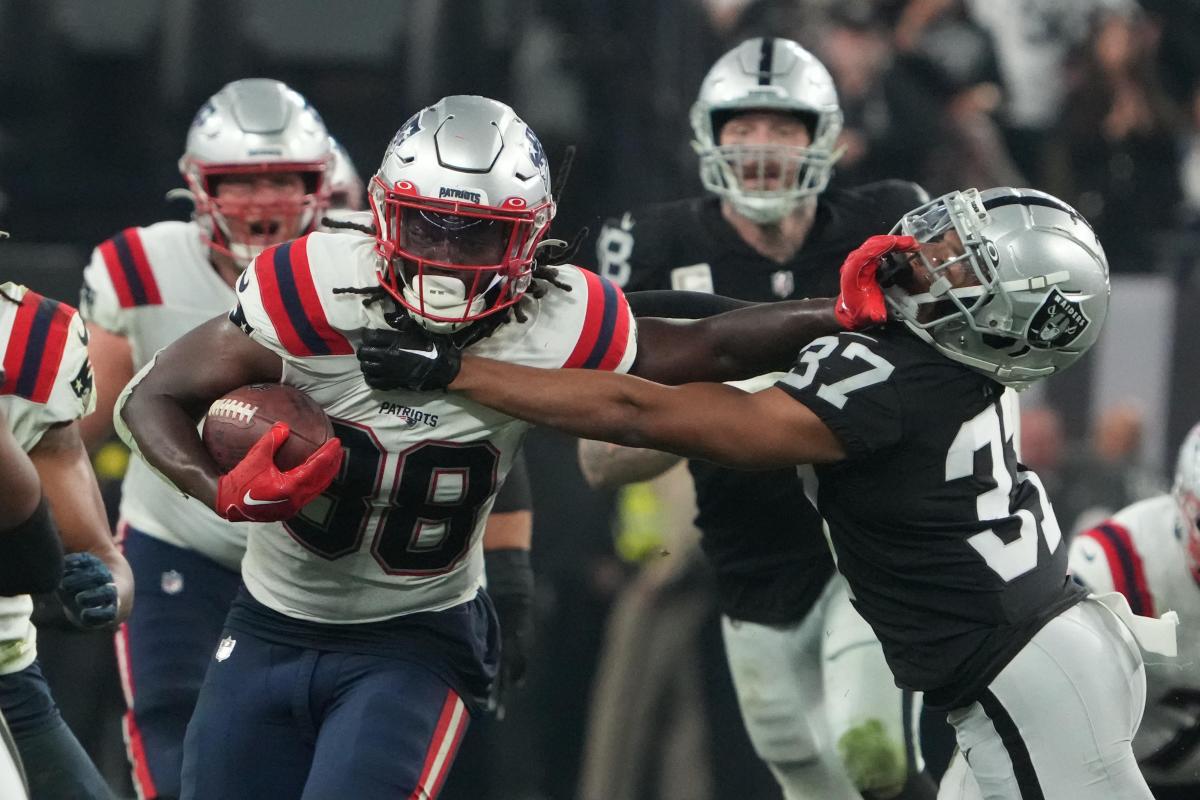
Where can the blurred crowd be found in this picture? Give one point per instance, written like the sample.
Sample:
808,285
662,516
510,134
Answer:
1096,101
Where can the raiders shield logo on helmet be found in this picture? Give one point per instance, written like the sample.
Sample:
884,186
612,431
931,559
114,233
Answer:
1057,322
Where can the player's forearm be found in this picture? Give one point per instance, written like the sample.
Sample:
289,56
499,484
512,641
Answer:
766,337
607,466
599,405
739,344
70,488
508,530
165,433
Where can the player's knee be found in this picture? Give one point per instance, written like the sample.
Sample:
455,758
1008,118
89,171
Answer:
874,760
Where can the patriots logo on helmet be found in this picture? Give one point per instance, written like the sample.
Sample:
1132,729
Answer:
1057,322
206,111
536,154
407,129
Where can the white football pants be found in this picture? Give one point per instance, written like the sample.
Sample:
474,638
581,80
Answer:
820,704
1058,722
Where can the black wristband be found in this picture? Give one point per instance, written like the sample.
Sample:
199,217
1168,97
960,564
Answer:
31,554
509,575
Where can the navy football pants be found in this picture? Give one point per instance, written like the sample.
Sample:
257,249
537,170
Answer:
181,599
55,763
289,722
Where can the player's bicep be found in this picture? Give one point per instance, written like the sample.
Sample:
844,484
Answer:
206,363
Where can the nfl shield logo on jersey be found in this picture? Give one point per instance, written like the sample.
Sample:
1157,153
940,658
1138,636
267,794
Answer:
172,582
225,648
783,283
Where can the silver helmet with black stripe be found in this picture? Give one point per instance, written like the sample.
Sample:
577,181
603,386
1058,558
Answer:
766,74
1025,298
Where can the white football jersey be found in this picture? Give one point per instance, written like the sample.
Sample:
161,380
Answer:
399,531
152,285
47,381
1139,553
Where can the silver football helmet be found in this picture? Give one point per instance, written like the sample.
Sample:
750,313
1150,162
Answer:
766,74
254,127
1187,497
1026,298
346,190
461,201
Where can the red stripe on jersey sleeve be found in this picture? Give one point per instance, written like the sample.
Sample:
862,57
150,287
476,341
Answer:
56,345
289,296
142,265
268,294
593,318
28,373
116,273
620,338
1142,599
1114,560
337,344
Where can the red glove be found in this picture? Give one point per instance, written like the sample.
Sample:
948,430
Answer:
256,491
860,303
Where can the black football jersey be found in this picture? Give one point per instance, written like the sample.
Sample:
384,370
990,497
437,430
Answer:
950,547
763,537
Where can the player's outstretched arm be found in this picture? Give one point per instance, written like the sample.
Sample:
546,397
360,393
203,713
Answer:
102,583
737,344
765,337
700,420
162,409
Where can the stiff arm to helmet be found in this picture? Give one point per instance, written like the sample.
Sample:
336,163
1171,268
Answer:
1037,291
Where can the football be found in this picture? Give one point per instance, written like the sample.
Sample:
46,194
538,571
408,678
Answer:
239,419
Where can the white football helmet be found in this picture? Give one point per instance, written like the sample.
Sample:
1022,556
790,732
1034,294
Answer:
346,190
1039,293
1187,497
461,201
256,126
766,74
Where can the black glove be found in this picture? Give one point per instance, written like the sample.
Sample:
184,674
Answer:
87,591
409,357
510,585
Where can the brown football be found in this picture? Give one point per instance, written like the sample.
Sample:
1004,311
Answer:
239,419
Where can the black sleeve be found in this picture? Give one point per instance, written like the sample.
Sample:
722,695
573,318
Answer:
848,383
674,304
31,555
514,494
